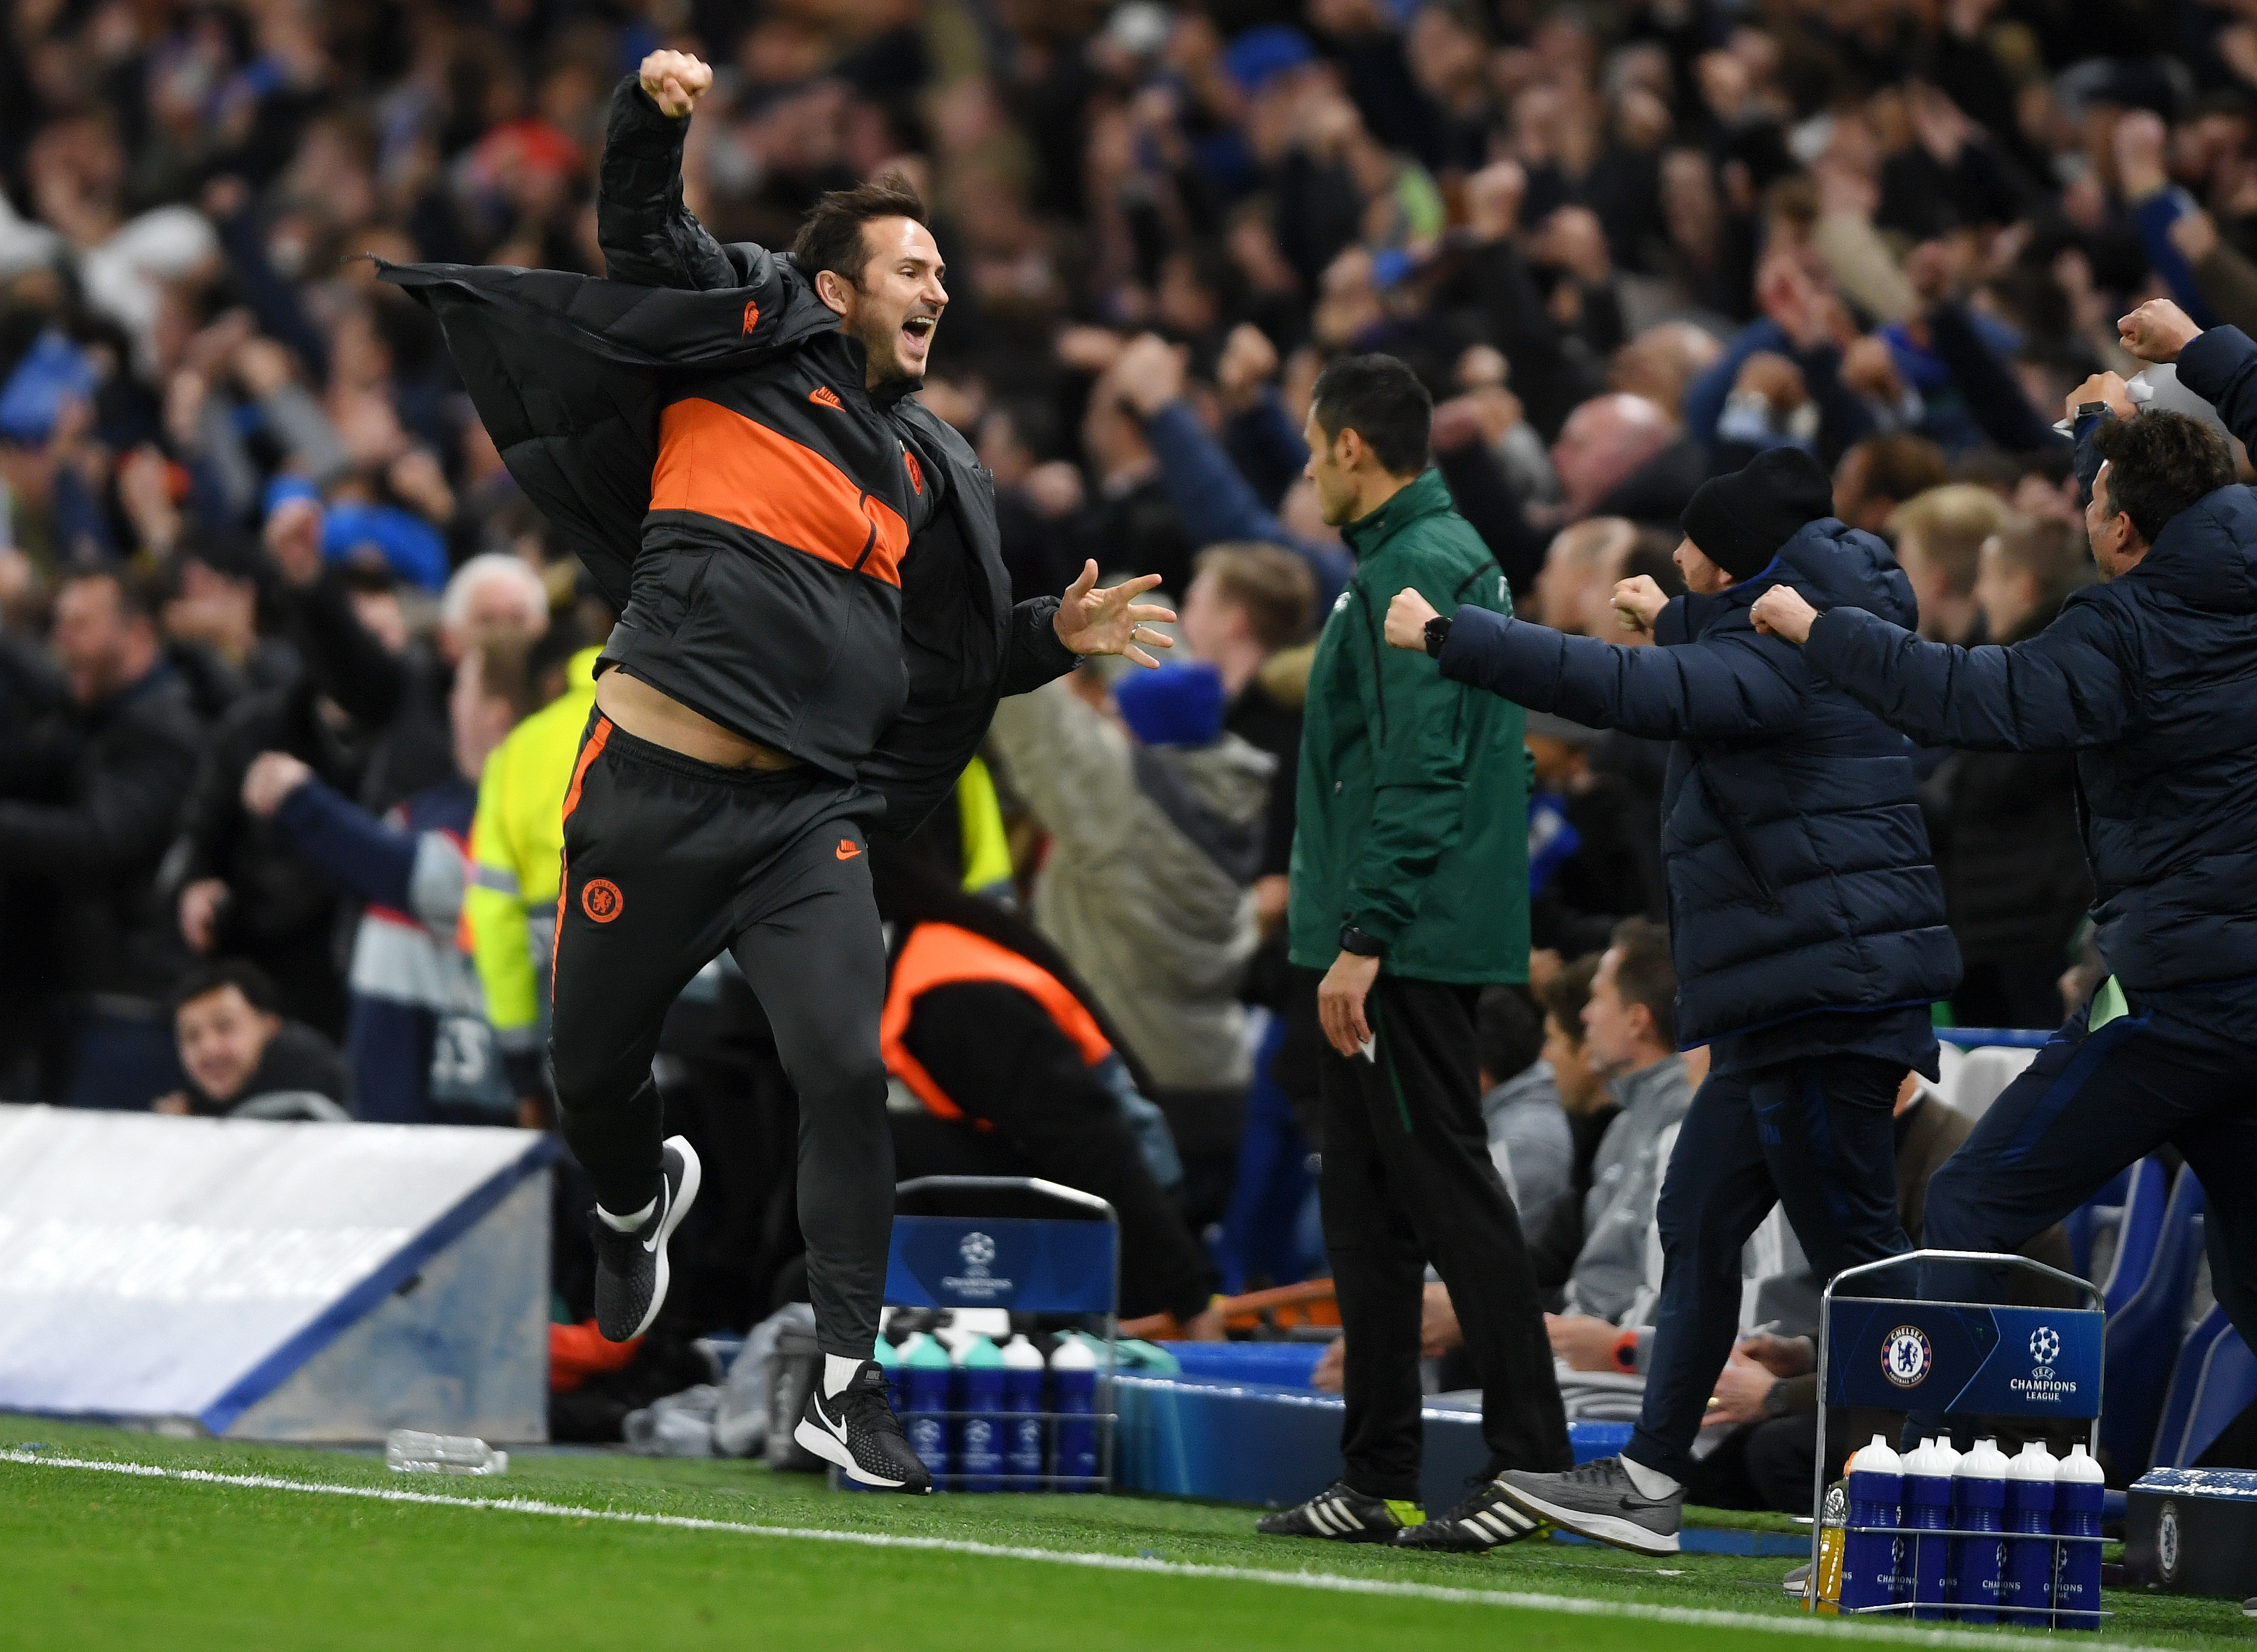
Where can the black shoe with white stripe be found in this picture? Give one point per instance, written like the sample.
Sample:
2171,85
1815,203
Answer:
1342,1514
857,1430
1484,1520
631,1274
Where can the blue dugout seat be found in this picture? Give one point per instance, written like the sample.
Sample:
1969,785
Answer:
2147,1310
2215,1383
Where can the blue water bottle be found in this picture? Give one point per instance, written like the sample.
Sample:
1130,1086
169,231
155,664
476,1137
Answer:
980,1426
1073,1395
2029,1512
2076,1494
1869,1558
1978,1503
1928,1508
925,1381
1023,1422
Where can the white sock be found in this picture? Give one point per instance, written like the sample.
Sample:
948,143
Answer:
627,1223
1649,1482
837,1372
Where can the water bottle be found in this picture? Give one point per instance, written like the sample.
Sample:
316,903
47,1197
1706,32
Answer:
1869,1558
926,1376
980,1430
1928,1508
1978,1501
1073,1394
1022,1423
406,1451
2030,1561
2076,1494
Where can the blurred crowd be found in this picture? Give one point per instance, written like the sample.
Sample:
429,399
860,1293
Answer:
290,672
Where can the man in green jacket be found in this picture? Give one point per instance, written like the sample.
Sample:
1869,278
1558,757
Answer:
1409,889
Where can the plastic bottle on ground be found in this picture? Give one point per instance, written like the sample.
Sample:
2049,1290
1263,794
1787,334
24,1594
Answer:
2029,1561
2077,1497
407,1451
1869,1558
1022,1423
1979,1502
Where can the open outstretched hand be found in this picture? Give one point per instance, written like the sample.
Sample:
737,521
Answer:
1112,621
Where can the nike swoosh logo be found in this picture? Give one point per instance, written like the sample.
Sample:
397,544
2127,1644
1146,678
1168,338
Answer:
658,1219
837,1429
848,848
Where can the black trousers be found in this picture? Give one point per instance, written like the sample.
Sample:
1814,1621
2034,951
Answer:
2178,1068
1407,1179
667,861
1814,1135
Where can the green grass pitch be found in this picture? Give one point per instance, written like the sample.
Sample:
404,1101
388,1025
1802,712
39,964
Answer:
95,1559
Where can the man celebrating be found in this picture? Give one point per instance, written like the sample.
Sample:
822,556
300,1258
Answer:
2145,677
1409,888
814,633
1809,928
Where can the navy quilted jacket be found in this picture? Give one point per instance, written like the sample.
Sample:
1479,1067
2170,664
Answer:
1800,876
2151,681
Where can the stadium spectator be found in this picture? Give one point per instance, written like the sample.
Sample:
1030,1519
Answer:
2004,822
90,795
1940,535
241,1057
1156,818
1528,1136
417,1039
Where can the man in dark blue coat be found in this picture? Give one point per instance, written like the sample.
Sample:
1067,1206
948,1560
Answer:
1806,924
2150,677
1805,921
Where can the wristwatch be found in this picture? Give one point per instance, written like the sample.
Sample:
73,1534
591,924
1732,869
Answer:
2090,410
1438,632
1363,946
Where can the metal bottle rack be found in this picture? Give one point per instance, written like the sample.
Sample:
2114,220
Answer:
1957,1358
1029,1247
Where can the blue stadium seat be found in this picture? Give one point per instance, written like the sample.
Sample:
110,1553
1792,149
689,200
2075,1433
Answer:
2215,1383
2147,1307
2103,1212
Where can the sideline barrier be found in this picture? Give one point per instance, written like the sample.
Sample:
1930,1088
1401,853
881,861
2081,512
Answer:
280,1281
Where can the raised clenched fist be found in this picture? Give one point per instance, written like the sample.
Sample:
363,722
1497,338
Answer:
675,81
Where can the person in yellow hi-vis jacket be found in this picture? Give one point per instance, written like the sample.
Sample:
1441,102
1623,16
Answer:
517,848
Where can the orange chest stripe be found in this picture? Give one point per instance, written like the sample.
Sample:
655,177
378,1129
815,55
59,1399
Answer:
721,464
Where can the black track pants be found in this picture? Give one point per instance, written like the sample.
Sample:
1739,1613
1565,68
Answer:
1407,1179
667,861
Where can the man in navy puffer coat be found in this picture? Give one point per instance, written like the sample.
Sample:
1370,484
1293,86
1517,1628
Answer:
2150,677
1806,919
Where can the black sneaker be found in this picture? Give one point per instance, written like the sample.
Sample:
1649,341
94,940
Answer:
1598,1501
1345,1515
1484,1520
631,1268
856,1428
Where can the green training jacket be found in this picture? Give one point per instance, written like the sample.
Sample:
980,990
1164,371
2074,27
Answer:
1412,820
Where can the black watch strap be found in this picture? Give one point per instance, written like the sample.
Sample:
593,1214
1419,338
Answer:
1355,939
2090,410
1438,632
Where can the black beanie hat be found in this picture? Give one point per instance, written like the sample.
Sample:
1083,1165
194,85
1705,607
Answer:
1738,521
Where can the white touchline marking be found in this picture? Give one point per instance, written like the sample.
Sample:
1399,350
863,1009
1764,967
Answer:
1697,1617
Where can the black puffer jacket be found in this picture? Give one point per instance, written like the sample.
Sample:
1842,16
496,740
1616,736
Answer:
1798,864
2151,680
741,596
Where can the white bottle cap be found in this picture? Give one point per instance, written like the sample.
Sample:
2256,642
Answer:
2034,1464
1877,1458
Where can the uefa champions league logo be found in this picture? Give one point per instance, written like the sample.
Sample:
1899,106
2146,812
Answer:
1906,1357
2044,1385
976,1251
2045,1348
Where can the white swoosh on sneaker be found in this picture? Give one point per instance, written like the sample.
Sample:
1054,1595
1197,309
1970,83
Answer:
657,1224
